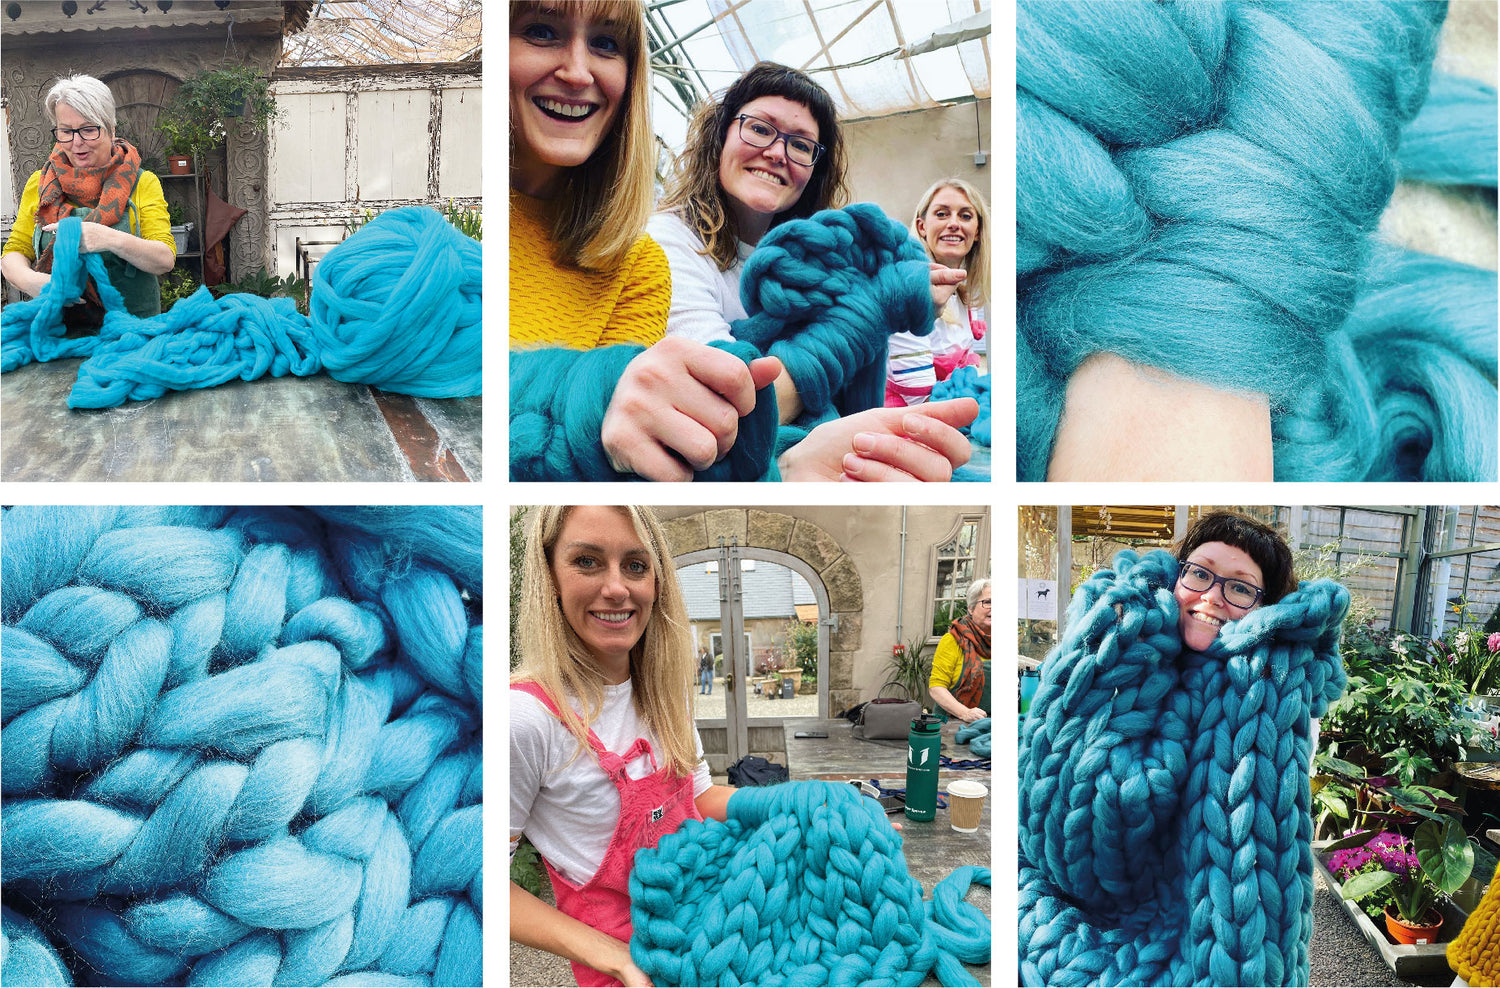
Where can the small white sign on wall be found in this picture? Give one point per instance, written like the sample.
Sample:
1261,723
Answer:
1038,600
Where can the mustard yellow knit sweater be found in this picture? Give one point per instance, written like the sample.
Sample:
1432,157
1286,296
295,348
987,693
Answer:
552,305
1475,954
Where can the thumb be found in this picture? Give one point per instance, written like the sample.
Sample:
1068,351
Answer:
957,412
764,370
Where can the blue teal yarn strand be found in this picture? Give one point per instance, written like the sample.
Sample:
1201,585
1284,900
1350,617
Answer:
977,736
967,382
397,305
1165,833
1198,186
242,746
1454,140
804,884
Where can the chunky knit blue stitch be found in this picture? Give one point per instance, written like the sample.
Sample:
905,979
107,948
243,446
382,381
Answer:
1197,189
804,885
966,382
1164,824
241,746
824,294
397,305
977,736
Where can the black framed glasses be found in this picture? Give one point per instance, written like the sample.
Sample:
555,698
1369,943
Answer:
1237,593
64,135
760,133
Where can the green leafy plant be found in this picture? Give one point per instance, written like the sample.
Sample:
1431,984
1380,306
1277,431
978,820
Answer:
467,221
193,123
267,285
526,868
176,285
909,669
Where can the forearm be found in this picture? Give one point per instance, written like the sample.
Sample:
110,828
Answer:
943,698
714,803
151,256
17,269
536,924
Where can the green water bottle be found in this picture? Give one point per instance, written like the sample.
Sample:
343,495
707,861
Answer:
923,746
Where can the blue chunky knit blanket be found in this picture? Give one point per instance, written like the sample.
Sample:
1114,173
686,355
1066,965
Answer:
241,746
823,294
397,305
1165,833
804,885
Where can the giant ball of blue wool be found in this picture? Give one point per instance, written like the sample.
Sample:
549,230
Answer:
397,305
1197,189
1165,831
241,745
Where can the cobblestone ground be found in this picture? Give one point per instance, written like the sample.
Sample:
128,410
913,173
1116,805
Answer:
711,706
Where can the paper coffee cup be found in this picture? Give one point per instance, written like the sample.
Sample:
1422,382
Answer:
966,805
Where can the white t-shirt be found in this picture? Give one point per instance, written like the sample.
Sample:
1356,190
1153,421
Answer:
569,812
705,300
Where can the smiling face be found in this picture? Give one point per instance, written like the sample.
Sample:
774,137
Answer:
1202,613
82,153
606,584
762,182
982,611
568,79
949,227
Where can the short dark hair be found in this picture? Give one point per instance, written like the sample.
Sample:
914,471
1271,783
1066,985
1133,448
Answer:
1261,542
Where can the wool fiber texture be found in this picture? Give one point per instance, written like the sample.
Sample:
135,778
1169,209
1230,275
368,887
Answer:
805,884
966,382
1165,835
1197,189
1474,955
241,746
823,294
977,736
397,305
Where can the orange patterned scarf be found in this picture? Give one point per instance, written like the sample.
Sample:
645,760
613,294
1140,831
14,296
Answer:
104,191
976,648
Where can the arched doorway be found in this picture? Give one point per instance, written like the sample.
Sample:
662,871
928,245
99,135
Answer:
746,604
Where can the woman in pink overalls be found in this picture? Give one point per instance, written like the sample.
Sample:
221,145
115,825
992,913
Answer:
604,757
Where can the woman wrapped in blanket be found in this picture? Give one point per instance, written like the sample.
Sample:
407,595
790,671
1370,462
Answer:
96,176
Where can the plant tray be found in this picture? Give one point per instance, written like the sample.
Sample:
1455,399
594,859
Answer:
1405,961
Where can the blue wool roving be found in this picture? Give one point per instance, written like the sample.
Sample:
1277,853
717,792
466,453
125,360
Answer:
241,746
824,295
977,736
1197,186
804,885
1453,141
397,305
966,382
1165,835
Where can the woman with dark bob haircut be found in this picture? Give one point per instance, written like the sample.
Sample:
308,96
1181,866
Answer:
1229,565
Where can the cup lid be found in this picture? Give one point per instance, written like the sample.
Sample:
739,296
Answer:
967,787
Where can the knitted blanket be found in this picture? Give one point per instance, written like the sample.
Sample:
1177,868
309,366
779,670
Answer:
241,746
1165,832
977,736
397,305
1198,190
823,294
804,885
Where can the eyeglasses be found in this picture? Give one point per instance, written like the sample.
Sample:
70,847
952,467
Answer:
64,135
759,133
1237,593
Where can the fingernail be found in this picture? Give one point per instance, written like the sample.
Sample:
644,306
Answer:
912,424
864,442
853,464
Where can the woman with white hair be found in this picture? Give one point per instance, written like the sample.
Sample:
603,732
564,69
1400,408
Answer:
957,680
97,177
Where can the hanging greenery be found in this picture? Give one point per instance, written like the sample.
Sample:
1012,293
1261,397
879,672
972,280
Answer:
193,123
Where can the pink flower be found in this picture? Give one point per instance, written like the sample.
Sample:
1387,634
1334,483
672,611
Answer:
1494,642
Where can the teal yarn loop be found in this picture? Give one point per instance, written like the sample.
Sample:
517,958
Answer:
977,736
397,306
824,295
1165,832
1198,190
805,884
967,382
241,746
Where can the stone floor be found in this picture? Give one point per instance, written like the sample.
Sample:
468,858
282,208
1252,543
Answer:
287,429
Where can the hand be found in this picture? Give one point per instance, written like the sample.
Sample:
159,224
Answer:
678,401
945,282
974,713
917,443
625,971
96,237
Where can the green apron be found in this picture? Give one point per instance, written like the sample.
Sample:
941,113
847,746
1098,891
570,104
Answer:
141,289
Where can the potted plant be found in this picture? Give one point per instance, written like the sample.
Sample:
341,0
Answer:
1407,875
194,120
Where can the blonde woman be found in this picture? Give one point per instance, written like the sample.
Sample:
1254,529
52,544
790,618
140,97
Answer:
604,756
952,221
583,276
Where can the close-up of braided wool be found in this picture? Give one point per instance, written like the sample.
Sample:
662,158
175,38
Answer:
241,746
1200,190
1165,830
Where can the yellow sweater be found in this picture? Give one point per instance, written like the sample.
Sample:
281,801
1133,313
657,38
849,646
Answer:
1475,954
552,305
947,663
150,205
